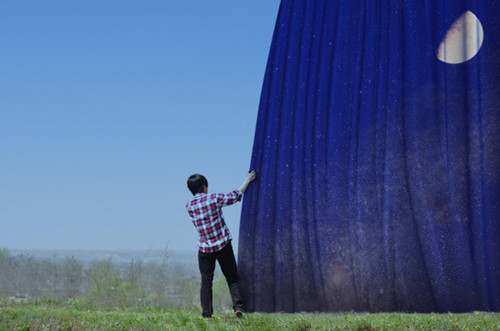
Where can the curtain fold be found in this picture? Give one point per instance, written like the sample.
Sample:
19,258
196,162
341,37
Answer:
378,160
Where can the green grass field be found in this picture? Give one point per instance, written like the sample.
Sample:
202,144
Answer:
74,315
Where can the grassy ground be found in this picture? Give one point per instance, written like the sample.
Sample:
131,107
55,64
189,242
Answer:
80,316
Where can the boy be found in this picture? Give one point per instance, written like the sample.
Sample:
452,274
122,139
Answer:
215,239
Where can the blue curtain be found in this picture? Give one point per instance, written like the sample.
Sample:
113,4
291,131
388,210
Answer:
377,150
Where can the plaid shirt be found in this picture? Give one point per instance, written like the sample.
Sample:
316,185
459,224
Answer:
206,214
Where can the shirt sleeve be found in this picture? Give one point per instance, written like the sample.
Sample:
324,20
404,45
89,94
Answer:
229,198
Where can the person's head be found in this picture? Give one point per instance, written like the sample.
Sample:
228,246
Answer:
197,184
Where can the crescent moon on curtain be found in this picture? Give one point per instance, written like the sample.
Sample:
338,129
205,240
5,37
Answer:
462,41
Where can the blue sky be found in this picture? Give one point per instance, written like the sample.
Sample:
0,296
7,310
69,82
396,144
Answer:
106,107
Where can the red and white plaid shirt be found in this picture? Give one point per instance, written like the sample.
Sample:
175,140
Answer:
206,214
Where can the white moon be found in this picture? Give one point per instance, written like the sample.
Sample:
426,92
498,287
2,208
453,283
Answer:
462,41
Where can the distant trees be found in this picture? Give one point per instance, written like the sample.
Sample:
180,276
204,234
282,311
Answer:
184,291
24,277
73,274
155,278
7,279
133,292
104,284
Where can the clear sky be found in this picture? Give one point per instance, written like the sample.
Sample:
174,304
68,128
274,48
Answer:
106,107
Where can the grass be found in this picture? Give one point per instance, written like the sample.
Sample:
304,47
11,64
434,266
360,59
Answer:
75,315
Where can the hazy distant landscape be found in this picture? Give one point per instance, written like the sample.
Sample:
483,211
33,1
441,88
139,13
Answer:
157,278
86,256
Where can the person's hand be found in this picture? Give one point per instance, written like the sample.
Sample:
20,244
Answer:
251,175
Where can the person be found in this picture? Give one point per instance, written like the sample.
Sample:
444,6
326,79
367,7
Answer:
215,239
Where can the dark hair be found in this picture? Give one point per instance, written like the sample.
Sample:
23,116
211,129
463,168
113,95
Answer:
196,182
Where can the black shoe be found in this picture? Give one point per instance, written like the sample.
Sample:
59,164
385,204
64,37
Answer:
239,313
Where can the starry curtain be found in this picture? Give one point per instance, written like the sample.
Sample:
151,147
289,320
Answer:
378,160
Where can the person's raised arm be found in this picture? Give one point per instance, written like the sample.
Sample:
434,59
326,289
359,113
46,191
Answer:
250,177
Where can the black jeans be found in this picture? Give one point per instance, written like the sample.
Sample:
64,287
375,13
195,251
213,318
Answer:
227,263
